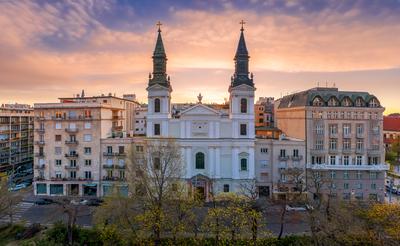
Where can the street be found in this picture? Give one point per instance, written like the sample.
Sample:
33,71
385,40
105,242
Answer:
28,212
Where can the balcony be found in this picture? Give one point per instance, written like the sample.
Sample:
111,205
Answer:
378,167
39,178
333,151
39,154
346,135
69,167
71,142
71,130
41,166
105,166
374,152
297,158
283,158
347,151
117,128
360,135
119,166
360,151
108,178
116,117
318,151
40,118
72,155
40,130
333,135
114,154
282,165
39,142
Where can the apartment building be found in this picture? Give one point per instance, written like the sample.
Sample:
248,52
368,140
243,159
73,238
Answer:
273,158
16,137
264,112
140,121
391,130
344,139
69,136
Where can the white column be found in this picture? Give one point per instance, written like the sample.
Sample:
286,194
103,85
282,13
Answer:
188,162
217,163
217,129
187,128
251,129
149,128
235,163
211,130
182,126
164,130
211,164
251,164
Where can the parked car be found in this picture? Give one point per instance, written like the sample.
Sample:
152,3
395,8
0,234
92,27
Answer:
94,202
43,201
18,187
289,208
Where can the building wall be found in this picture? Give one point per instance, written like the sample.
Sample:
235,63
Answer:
16,137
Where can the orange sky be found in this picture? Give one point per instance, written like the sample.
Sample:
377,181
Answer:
56,49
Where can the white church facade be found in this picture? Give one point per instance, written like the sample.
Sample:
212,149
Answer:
217,143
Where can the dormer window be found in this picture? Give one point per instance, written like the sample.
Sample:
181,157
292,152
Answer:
359,102
347,102
318,102
157,105
373,103
333,102
243,105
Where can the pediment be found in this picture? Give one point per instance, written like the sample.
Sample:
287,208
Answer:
200,109
159,87
243,87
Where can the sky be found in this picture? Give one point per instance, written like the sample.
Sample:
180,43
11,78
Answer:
56,48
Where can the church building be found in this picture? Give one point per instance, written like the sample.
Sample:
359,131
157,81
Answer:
217,143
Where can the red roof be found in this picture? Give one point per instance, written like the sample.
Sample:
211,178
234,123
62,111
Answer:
391,123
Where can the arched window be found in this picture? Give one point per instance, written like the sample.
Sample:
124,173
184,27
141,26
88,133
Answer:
243,105
243,164
199,160
157,105
318,101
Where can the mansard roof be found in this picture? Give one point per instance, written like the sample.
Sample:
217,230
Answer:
305,98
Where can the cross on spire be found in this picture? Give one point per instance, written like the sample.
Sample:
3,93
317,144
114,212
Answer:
159,24
242,23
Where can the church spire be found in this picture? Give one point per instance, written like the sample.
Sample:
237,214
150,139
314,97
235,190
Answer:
241,75
159,62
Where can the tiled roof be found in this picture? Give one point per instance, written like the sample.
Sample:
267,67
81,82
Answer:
391,123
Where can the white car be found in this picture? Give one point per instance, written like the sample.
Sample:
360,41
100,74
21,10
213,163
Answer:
18,187
289,208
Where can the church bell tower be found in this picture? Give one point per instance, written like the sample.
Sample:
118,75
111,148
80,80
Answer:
158,92
241,91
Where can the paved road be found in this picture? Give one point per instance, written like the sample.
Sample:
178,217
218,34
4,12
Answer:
18,215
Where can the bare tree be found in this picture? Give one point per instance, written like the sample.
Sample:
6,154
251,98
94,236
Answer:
8,200
158,170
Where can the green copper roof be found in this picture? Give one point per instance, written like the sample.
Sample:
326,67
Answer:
159,49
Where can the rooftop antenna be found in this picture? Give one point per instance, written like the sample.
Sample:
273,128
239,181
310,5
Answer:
326,84
317,83
334,85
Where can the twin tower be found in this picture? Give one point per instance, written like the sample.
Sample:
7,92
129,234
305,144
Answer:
159,88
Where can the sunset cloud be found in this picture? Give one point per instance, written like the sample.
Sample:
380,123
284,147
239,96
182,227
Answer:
50,49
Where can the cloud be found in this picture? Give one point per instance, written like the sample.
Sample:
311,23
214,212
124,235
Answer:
57,48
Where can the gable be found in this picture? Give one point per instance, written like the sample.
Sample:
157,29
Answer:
200,109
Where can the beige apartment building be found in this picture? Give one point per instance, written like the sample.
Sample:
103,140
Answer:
344,144
69,156
16,137
274,157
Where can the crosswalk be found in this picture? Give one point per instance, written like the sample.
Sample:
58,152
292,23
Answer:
19,210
